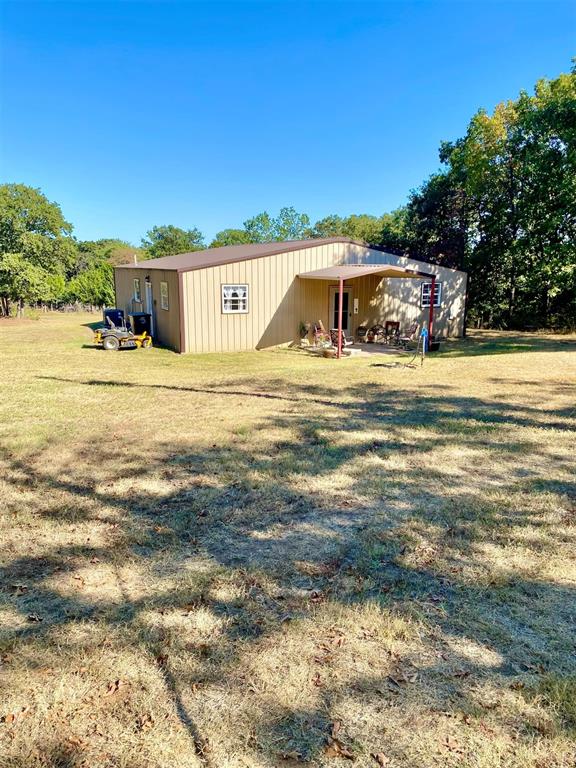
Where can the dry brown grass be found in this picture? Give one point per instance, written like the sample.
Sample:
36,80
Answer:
266,559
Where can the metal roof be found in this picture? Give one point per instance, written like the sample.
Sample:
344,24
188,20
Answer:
349,271
213,257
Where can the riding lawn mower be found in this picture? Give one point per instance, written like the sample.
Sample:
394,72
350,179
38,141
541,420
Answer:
117,334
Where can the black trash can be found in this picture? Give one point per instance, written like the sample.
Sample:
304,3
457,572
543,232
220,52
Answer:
116,317
140,322
434,345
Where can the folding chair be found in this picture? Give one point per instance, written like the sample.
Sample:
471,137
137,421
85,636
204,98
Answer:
346,340
409,335
319,332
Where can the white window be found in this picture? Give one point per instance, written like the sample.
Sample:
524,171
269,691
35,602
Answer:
234,299
425,296
137,295
164,295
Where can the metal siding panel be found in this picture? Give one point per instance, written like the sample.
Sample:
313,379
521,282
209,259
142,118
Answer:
278,300
209,311
214,292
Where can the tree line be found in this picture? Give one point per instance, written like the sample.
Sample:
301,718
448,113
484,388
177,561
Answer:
501,207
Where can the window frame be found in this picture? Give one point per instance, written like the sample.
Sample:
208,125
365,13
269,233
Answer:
164,296
425,297
137,291
246,299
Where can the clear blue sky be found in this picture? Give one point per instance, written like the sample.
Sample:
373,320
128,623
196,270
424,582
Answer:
133,114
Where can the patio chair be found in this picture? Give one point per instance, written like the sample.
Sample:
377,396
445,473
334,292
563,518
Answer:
391,331
376,333
346,340
410,335
319,333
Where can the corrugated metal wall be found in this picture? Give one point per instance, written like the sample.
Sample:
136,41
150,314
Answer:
167,322
399,299
279,300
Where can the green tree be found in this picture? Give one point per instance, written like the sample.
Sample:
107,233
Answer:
112,250
288,225
21,282
437,221
291,225
167,240
504,209
330,226
260,228
230,237
36,246
364,227
94,285
394,233
388,230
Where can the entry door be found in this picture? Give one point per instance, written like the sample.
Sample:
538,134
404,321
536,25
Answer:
150,304
346,311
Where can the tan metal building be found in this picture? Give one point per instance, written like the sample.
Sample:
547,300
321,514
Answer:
255,296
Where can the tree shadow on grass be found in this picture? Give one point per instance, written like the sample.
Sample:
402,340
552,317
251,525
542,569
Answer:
399,405
502,343
276,522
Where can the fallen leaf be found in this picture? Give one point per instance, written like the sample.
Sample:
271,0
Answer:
380,758
335,748
12,717
162,529
461,673
451,744
75,741
145,722
113,687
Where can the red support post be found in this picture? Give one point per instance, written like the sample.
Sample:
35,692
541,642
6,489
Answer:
340,297
431,313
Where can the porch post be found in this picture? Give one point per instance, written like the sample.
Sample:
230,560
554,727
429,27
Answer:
431,313
340,297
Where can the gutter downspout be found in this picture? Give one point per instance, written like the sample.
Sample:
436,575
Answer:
340,297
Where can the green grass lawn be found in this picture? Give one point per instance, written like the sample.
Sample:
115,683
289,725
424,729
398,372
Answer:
270,559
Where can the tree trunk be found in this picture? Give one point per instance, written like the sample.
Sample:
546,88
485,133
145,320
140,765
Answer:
546,303
511,299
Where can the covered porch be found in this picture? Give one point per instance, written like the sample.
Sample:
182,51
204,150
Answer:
351,294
